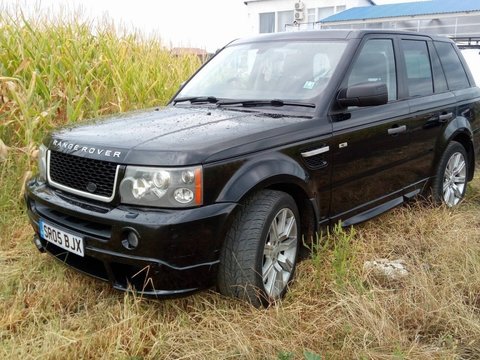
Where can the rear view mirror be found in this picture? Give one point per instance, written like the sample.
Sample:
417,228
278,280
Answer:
364,94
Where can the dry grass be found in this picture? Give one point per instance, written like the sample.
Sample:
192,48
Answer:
49,311
334,309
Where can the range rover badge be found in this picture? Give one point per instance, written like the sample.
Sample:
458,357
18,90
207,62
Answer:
91,187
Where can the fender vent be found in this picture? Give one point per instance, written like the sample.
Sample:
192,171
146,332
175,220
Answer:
315,162
314,157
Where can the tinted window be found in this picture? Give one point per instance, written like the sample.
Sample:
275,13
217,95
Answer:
439,81
376,63
419,71
452,66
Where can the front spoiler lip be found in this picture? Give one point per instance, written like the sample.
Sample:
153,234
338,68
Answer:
149,293
150,260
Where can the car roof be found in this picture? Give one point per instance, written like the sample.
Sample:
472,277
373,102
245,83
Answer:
329,35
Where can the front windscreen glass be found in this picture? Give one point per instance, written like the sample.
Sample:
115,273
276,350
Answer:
283,70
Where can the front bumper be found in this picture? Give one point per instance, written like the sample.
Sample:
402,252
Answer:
178,250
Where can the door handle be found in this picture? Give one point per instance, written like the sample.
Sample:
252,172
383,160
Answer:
397,130
318,151
445,117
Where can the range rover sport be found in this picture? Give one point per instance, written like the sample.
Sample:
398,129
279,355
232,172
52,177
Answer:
273,138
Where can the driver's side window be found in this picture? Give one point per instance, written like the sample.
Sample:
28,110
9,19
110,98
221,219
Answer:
376,63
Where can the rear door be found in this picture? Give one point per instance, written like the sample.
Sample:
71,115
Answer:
462,85
432,105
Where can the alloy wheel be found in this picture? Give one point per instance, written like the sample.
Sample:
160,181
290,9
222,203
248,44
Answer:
279,253
454,179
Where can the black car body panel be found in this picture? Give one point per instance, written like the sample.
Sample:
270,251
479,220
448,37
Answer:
174,136
338,163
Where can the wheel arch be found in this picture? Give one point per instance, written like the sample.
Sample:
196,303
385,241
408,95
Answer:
461,132
275,172
306,208
467,143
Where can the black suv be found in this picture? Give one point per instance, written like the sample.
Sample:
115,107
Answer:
274,137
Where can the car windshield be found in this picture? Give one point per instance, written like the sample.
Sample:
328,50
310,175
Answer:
293,70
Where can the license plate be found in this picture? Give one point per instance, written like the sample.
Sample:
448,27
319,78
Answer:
61,238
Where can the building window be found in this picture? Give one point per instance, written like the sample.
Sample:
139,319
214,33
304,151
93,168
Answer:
340,9
284,18
267,22
311,18
311,15
325,12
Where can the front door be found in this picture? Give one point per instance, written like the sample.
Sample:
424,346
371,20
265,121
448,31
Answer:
370,144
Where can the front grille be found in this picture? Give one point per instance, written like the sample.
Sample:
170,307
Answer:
91,177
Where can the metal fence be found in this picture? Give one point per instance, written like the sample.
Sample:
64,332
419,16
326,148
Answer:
460,26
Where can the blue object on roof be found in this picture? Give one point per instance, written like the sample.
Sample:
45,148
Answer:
405,9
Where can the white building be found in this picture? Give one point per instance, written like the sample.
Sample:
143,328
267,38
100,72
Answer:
266,16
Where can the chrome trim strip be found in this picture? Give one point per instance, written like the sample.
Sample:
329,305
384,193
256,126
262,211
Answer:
78,192
316,151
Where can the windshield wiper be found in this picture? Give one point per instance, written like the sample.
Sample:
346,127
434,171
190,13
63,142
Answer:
197,99
273,102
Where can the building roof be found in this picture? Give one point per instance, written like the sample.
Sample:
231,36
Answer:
246,2
405,9
188,51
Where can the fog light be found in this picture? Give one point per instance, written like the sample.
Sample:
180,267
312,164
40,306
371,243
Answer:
131,241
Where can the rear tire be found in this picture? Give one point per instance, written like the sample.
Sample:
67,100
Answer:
260,251
450,182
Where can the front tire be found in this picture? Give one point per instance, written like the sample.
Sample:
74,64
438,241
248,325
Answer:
259,254
450,182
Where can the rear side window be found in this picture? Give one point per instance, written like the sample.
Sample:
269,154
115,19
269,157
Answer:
452,66
419,71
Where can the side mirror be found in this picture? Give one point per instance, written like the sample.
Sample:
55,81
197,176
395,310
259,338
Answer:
363,94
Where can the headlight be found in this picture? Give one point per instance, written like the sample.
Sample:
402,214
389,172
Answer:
42,163
162,187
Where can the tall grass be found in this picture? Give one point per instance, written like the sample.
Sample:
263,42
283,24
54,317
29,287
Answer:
54,73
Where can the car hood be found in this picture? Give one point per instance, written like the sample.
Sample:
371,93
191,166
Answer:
173,136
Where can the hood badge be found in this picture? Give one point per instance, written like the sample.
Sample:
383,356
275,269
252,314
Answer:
85,149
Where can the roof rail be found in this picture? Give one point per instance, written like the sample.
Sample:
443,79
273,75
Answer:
467,42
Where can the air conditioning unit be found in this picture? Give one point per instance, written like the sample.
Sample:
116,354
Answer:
299,6
299,11
299,15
